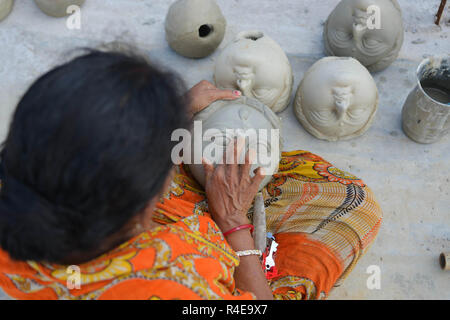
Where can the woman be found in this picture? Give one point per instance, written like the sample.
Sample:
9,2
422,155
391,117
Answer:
91,206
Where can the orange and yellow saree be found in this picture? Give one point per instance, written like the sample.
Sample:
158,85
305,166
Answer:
323,218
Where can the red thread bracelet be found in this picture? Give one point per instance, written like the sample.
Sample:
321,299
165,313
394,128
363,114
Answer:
245,226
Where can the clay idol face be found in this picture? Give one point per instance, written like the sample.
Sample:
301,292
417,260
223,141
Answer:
337,99
256,65
224,121
352,31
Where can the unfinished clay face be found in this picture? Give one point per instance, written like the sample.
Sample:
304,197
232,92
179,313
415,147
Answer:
5,8
337,99
57,8
256,65
347,33
242,114
195,28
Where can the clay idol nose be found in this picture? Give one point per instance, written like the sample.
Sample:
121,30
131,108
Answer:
358,31
245,85
342,107
244,80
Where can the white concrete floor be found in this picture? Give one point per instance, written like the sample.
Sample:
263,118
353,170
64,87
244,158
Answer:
411,181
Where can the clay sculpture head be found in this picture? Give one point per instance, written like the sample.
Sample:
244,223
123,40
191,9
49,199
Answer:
256,65
57,8
337,99
5,8
352,31
195,28
240,116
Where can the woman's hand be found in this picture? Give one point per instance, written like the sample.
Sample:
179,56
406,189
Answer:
205,93
230,189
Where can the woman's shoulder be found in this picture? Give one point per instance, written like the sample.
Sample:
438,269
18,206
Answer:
177,261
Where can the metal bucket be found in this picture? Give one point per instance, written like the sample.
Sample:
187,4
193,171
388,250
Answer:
426,113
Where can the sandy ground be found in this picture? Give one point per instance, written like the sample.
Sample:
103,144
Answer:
411,181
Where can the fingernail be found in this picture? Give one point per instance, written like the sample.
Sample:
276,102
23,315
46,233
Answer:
206,161
237,93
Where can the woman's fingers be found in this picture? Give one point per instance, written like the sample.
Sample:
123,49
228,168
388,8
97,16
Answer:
229,164
209,168
232,159
240,149
249,160
217,94
258,178
232,170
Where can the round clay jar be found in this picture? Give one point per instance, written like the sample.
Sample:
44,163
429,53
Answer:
5,8
351,31
337,99
57,8
257,66
195,28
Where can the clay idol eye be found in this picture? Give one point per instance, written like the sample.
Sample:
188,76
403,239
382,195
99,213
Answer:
374,47
266,96
224,140
324,116
263,93
343,36
221,139
371,43
356,113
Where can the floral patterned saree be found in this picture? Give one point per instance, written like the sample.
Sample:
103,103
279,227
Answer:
323,219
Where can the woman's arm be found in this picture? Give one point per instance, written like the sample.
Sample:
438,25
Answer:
230,195
231,191
249,275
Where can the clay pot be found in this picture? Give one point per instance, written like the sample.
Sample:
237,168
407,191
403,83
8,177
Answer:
337,99
257,66
57,8
5,8
195,28
370,31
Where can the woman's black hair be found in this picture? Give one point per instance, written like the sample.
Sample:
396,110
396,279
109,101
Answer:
88,147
